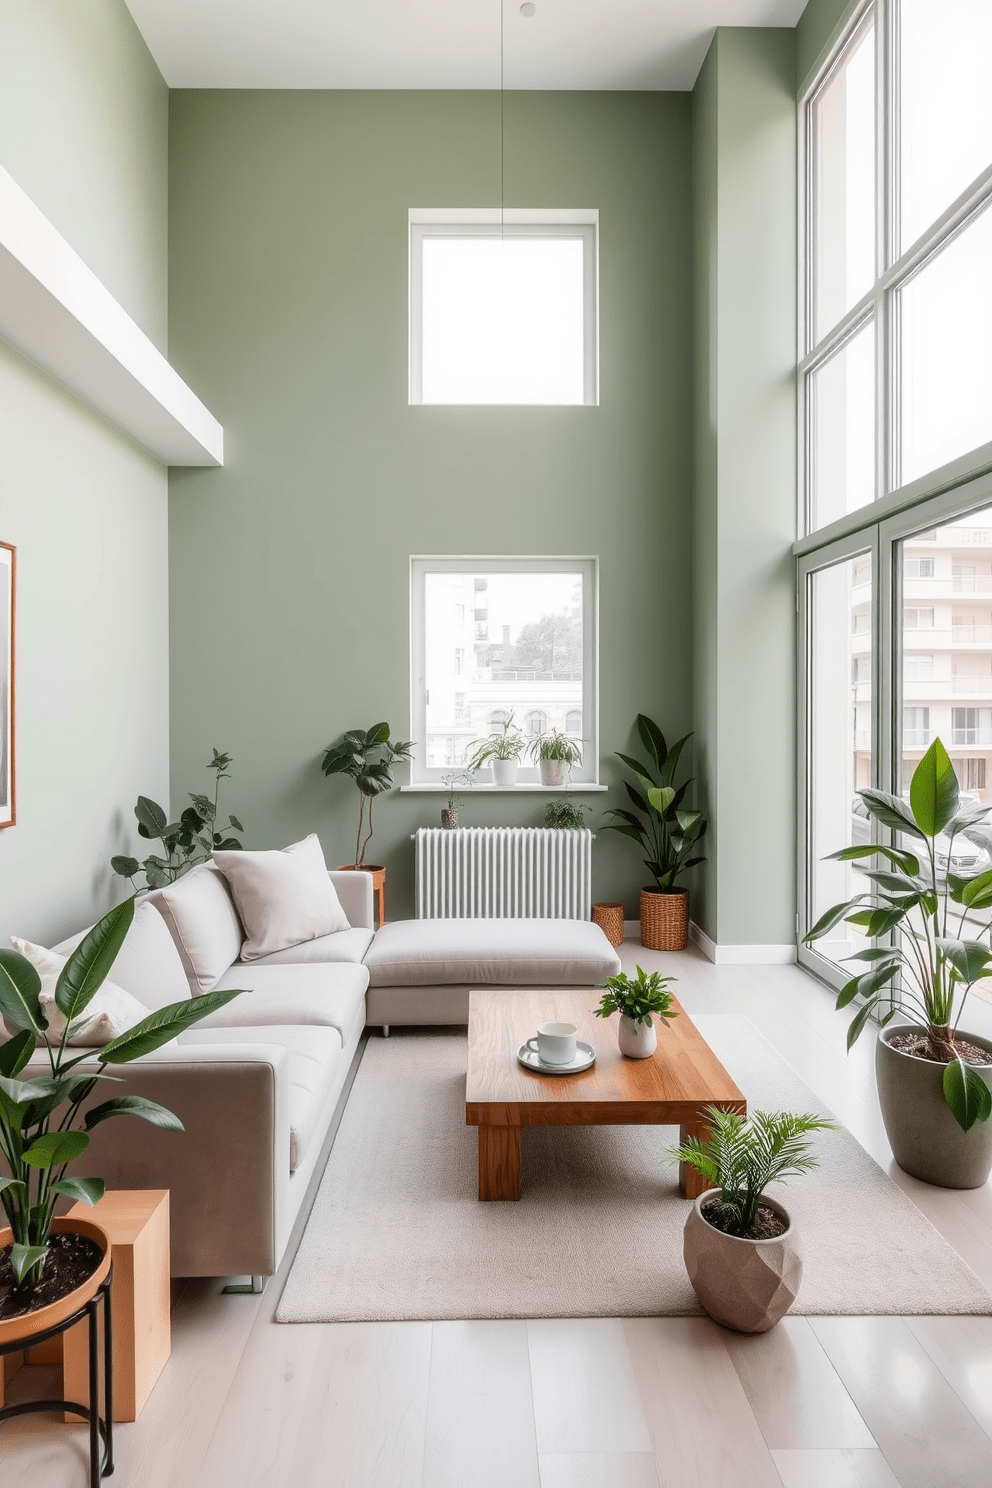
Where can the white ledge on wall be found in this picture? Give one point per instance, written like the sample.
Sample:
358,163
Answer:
467,791
55,310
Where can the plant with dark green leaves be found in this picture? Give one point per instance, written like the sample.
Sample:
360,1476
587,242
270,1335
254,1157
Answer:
367,756
566,815
744,1154
935,961
667,833
185,843
43,1128
638,997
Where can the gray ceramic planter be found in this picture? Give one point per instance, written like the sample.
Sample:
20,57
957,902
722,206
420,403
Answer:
743,1284
926,1140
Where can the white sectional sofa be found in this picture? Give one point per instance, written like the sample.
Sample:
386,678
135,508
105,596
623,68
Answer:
256,1083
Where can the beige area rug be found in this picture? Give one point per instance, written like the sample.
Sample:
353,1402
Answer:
397,1232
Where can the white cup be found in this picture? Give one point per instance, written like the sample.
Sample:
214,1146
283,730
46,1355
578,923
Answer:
554,1043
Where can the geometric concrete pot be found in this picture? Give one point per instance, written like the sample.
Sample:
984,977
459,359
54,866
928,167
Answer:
743,1284
926,1140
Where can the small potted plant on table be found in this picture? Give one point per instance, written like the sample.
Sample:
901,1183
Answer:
636,999
666,833
934,1084
555,754
49,1267
741,1252
502,750
367,756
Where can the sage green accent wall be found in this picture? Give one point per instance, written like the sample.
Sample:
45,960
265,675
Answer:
288,314
83,129
815,28
744,239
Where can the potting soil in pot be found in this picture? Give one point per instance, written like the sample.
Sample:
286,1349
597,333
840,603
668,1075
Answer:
767,1224
72,1259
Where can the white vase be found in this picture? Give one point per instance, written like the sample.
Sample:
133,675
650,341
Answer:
552,772
505,771
636,1040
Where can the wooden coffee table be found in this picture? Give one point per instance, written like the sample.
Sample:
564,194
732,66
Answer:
671,1088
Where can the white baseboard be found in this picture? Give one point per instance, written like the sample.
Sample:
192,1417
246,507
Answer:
741,955
726,955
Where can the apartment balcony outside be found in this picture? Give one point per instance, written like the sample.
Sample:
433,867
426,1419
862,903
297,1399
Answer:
974,738
972,686
972,635
918,738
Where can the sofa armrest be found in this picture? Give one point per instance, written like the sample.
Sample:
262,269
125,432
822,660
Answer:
354,889
228,1174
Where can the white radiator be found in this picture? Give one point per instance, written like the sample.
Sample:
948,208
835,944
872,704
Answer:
504,873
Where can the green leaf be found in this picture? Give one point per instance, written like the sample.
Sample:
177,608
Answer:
976,892
83,1190
903,860
671,764
161,1026
966,1093
661,798
641,771
17,1095
968,817
86,969
134,1105
968,957
126,867
150,816
891,811
24,1258
933,791
235,824
19,988
868,984
55,1148
15,1053
896,885
377,735
858,1022
832,917
653,739
875,953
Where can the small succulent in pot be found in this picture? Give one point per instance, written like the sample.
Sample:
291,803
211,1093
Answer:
555,753
636,999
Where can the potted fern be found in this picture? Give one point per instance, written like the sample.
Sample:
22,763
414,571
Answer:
741,1252
50,1267
636,999
934,1082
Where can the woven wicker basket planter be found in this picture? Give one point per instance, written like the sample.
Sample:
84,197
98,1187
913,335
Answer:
665,919
609,918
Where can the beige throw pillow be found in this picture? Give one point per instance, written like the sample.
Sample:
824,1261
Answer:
111,1011
283,898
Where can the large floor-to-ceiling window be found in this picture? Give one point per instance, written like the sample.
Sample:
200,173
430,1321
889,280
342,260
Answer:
895,398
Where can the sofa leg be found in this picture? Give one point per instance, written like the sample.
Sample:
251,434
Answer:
385,1030
255,1288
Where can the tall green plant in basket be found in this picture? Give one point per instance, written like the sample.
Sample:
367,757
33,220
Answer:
667,833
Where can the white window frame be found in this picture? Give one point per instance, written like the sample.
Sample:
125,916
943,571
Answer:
585,776
448,222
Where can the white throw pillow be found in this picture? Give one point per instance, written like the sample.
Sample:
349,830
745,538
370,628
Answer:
109,1013
283,898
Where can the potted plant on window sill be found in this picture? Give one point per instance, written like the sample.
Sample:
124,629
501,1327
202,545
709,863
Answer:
665,832
502,750
636,999
740,1158
50,1267
367,756
555,753
934,1084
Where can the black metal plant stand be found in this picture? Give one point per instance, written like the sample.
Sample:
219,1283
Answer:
101,1465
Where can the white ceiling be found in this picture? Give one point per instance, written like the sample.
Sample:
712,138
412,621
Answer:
440,43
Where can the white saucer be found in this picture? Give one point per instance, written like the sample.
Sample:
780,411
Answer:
585,1055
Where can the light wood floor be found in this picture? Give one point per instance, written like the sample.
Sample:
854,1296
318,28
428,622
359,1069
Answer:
643,1403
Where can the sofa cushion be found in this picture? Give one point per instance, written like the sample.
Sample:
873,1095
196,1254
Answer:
110,1012
345,945
500,953
148,964
283,898
314,1055
200,913
324,996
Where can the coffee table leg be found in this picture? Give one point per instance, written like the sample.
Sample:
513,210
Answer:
691,1183
499,1162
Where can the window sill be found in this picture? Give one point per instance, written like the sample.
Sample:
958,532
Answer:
576,789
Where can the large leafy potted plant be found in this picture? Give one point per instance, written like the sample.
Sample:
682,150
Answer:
555,753
934,1083
501,749
741,1251
50,1267
367,756
191,840
636,999
667,834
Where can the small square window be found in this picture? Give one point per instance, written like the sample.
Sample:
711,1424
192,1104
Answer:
503,312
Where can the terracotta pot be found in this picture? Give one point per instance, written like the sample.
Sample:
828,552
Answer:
449,818
743,1284
14,1329
664,919
925,1138
377,870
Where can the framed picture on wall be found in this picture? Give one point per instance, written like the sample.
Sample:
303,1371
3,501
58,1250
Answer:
8,565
